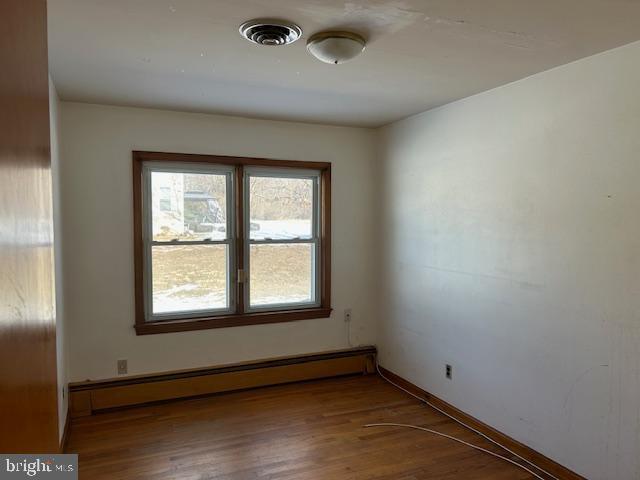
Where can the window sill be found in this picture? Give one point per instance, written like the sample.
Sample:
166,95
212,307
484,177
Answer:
185,325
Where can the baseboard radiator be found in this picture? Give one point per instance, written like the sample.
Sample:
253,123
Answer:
88,397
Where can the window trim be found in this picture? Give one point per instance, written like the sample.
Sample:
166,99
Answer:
245,316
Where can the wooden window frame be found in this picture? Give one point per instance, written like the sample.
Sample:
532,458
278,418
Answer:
241,317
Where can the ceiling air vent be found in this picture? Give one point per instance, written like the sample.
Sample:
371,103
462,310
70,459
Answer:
270,32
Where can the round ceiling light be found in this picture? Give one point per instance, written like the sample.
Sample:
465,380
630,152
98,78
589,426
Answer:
267,31
335,47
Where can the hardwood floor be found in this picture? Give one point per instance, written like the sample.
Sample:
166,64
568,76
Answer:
300,431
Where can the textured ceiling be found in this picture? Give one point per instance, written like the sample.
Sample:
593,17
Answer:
188,55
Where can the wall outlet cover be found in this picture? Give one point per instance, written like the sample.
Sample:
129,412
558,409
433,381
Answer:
122,367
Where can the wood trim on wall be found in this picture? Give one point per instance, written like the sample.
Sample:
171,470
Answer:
325,241
235,320
138,244
226,160
240,317
538,459
90,396
65,432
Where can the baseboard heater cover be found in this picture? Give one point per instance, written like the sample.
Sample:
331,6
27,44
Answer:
91,396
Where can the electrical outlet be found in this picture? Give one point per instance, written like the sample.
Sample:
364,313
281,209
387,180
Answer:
448,370
347,315
122,367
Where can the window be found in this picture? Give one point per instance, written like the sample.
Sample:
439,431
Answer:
283,243
224,241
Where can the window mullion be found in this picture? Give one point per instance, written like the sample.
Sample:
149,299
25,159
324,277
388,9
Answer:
241,249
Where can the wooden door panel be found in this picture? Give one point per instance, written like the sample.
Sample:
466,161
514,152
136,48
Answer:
28,401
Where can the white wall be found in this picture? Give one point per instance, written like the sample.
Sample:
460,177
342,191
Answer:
512,252
61,357
97,206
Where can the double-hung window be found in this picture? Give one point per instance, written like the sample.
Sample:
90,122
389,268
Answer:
224,241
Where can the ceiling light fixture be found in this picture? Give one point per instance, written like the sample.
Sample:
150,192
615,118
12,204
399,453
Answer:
270,32
335,47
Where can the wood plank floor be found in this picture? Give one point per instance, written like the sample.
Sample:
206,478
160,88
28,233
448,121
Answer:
302,431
